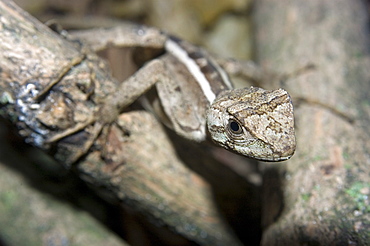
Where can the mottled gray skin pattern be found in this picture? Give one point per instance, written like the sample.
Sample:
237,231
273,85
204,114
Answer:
254,122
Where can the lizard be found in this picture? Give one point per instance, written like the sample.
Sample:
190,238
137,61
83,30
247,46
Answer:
196,95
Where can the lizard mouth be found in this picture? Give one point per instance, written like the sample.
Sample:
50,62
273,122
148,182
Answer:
257,149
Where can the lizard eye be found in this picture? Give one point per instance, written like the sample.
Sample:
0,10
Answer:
234,127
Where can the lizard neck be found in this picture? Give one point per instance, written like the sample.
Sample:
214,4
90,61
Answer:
211,78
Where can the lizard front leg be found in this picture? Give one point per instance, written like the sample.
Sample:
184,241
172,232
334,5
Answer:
125,35
107,112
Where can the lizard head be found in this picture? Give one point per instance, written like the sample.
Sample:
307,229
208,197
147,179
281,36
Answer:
253,122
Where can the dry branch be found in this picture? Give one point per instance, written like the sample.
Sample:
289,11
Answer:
324,188
49,84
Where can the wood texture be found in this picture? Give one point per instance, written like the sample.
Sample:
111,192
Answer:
320,197
46,79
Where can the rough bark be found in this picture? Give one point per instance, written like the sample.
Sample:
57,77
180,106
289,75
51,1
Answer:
45,79
320,196
30,216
